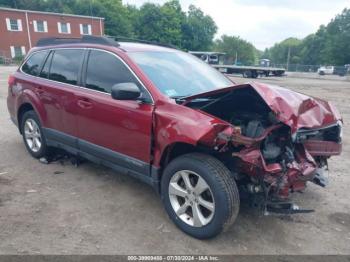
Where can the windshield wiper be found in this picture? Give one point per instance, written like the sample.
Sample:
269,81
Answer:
179,98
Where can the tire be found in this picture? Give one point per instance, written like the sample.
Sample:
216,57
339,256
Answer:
222,195
34,134
255,74
247,74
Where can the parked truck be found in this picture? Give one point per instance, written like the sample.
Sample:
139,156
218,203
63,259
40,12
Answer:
213,58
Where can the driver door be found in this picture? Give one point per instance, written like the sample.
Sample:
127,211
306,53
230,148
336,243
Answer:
115,131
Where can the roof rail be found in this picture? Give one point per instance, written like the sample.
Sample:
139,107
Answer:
89,39
129,39
102,40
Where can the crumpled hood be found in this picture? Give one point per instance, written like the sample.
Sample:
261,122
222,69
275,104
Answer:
292,108
297,110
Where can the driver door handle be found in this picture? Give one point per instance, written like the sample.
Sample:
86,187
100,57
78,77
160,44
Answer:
84,103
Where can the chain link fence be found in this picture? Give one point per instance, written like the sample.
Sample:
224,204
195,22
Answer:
342,70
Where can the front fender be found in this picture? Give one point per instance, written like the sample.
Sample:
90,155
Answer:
179,124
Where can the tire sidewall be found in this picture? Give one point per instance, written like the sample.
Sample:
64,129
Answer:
221,212
43,150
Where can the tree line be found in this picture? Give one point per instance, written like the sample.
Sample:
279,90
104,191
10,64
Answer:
330,45
167,23
194,30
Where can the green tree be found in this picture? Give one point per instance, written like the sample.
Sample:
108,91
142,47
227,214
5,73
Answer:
330,45
234,47
278,54
117,21
160,23
198,30
165,23
148,25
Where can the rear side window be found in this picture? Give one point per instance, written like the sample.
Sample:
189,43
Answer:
65,66
105,70
33,64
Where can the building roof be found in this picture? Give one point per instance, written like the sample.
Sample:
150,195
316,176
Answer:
48,13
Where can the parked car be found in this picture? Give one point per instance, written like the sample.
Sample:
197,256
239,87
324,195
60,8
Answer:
172,121
332,70
325,70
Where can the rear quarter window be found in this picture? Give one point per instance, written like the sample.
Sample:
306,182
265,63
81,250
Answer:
33,64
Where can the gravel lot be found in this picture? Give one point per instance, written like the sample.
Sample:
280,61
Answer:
61,209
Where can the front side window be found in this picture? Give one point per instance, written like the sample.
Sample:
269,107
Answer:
65,65
32,65
178,74
105,70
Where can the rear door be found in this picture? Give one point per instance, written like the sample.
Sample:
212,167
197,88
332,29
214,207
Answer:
114,130
57,82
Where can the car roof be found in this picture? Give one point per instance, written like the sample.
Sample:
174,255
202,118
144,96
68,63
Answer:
141,47
105,42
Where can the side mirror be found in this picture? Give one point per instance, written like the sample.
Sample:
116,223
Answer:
125,91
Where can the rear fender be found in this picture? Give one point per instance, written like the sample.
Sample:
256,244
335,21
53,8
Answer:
27,96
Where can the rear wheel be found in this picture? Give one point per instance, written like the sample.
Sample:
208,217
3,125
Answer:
33,136
199,195
247,74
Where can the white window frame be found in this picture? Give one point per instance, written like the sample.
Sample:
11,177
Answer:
82,29
19,24
13,53
35,25
59,26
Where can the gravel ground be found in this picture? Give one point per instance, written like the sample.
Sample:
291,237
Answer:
61,209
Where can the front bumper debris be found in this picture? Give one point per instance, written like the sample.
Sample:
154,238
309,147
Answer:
285,208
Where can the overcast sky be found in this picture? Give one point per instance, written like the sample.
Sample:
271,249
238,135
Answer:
265,22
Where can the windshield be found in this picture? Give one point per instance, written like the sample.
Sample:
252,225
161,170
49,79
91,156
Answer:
178,74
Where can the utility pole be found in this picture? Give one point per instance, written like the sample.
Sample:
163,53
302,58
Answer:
236,58
288,58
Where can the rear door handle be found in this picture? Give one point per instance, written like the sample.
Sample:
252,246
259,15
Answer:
84,103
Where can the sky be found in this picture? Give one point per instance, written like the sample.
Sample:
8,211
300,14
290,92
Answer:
265,22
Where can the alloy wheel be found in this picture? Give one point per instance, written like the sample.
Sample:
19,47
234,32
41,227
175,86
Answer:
191,198
32,135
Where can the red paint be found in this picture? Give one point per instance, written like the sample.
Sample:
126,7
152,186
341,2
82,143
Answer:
127,126
323,148
293,109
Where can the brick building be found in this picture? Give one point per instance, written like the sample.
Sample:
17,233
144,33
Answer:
21,29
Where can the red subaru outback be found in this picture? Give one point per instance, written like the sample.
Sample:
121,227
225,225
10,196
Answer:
167,118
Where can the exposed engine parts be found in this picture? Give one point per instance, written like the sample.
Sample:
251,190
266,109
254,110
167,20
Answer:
271,160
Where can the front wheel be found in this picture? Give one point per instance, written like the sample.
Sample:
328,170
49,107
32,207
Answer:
200,195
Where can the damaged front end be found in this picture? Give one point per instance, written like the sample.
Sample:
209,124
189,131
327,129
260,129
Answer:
276,141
